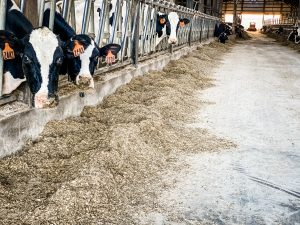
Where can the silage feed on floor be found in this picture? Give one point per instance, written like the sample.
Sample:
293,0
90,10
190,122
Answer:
106,166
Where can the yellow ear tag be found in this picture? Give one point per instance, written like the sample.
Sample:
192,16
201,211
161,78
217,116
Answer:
78,48
8,52
181,24
162,20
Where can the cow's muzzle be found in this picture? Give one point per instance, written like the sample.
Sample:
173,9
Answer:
85,81
45,101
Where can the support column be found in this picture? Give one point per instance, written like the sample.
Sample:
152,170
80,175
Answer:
31,11
234,15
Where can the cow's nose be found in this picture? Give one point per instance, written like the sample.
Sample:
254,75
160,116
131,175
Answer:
173,41
43,101
84,80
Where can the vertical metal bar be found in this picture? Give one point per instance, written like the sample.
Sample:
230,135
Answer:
124,36
115,22
52,14
86,16
73,17
208,29
22,5
92,19
190,32
3,5
65,9
42,8
69,7
101,24
201,29
136,34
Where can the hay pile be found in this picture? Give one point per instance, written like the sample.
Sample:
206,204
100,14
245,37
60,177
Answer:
282,39
106,166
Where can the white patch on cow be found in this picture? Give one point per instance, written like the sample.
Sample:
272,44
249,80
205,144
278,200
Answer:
14,7
174,20
85,65
10,83
159,39
44,43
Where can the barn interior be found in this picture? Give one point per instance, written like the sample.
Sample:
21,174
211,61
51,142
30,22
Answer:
247,11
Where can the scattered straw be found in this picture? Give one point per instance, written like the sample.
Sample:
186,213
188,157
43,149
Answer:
105,166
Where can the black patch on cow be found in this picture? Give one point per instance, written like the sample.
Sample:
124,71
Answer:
32,69
61,27
184,20
111,19
93,61
160,27
73,66
159,33
114,48
14,67
9,4
223,37
17,23
53,72
294,33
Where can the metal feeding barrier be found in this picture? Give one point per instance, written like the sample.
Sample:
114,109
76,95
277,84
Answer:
130,23
278,21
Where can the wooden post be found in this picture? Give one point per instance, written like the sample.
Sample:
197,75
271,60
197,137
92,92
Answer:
31,11
234,15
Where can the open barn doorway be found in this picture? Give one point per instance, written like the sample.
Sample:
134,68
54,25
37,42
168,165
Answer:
247,18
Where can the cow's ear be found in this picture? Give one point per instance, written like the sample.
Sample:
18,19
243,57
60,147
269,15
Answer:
10,45
73,48
110,48
161,19
183,22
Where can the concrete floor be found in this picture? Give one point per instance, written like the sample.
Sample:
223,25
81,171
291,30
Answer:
257,96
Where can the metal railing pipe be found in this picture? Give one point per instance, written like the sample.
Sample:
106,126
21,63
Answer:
3,5
41,12
65,10
52,14
22,5
86,16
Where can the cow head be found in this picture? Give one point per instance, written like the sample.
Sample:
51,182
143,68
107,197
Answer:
13,74
82,55
41,57
171,23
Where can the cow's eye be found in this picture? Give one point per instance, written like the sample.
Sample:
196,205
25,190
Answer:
26,59
59,61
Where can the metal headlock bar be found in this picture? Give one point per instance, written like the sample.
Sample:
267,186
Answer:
132,25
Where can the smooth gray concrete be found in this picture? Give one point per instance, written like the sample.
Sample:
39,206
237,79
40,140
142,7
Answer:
257,106
22,124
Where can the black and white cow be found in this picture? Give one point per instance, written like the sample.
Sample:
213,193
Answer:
223,37
221,32
167,25
37,57
294,35
79,67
